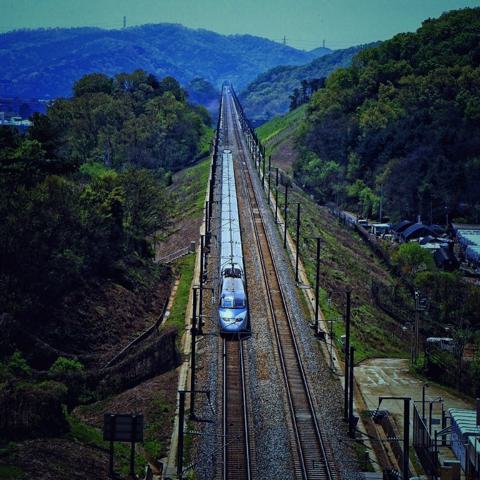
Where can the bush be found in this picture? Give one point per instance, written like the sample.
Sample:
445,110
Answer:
411,258
64,365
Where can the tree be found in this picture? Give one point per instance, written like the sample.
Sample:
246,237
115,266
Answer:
411,258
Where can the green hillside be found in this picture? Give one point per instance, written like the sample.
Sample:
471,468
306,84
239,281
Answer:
45,63
269,94
404,119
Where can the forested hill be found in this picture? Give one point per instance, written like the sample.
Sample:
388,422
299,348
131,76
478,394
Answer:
45,63
406,117
82,191
269,94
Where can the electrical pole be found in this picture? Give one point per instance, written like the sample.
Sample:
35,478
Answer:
200,302
346,352
380,215
317,287
193,334
263,171
181,420
297,242
351,429
269,177
124,21
417,326
285,216
276,198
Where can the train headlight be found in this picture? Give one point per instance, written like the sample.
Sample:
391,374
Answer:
241,316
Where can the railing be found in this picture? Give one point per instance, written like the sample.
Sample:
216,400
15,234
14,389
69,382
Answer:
179,253
125,351
424,445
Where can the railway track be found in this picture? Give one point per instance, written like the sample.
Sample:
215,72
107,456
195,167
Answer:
236,449
313,460
236,453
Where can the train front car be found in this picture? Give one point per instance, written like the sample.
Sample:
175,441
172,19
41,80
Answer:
232,310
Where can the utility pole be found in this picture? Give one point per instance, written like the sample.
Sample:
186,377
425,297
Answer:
124,21
297,242
417,326
285,216
317,287
269,177
193,334
346,352
351,429
323,44
276,198
380,214
181,420
200,302
284,40
263,172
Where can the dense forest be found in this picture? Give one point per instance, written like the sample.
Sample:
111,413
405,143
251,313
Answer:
44,63
82,191
403,121
270,93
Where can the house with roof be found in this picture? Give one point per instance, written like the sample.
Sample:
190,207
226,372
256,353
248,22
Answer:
415,231
465,437
468,238
399,228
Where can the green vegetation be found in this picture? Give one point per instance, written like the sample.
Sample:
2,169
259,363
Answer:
184,268
64,365
44,63
162,414
345,261
189,189
411,258
85,188
279,124
402,119
10,472
270,94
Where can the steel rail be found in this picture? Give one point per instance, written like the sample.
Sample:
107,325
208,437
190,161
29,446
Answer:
312,464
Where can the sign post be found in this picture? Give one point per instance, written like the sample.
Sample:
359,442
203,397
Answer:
122,428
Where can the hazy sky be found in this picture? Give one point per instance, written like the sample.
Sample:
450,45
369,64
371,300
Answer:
304,23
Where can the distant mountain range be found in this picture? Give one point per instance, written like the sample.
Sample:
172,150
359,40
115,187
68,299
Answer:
46,62
268,95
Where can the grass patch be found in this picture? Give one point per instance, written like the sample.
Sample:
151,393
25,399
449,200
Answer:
96,170
205,142
277,124
345,261
163,411
361,451
189,189
10,472
184,267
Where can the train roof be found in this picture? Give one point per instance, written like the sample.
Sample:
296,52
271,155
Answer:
230,239
232,284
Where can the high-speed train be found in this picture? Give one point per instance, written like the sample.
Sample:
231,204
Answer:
232,309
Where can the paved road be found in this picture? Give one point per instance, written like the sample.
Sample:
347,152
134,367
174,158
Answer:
391,377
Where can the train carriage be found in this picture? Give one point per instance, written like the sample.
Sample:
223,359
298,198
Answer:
232,310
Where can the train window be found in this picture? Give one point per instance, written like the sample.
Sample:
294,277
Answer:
239,302
233,272
227,302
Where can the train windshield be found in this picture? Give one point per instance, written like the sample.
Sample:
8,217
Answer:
230,301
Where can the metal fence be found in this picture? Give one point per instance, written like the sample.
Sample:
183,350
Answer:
424,445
